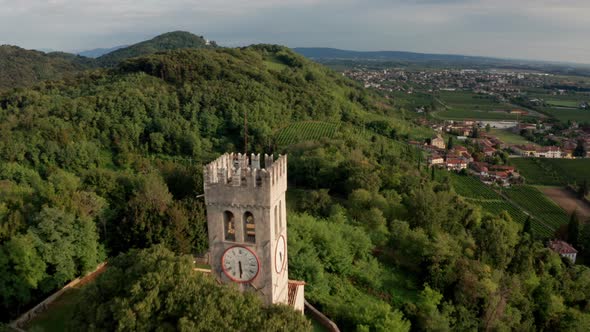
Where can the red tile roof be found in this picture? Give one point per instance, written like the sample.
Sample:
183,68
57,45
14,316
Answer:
502,175
502,168
562,247
455,161
293,286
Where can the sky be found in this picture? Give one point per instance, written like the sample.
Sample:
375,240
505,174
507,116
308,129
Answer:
555,30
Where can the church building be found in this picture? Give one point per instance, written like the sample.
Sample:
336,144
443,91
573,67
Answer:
247,222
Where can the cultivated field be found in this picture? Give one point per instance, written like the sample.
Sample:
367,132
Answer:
305,131
532,200
468,105
553,172
567,201
414,100
459,114
475,192
470,187
564,103
509,137
567,114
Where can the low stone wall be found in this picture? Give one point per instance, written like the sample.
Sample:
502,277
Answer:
41,307
318,316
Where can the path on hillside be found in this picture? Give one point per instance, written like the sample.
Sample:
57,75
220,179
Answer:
441,102
434,113
567,201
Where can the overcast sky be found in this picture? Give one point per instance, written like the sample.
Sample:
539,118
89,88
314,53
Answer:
529,29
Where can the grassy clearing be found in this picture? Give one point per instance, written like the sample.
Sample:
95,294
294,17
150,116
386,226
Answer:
55,318
315,325
272,65
564,103
509,137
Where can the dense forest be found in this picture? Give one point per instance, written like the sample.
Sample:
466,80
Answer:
20,67
110,161
23,68
165,42
138,292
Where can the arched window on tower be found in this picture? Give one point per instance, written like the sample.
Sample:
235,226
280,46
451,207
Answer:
229,226
249,227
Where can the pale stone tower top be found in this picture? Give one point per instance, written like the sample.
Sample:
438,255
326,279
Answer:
247,223
236,175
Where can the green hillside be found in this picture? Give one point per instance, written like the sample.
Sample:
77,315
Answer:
23,68
20,67
167,41
112,160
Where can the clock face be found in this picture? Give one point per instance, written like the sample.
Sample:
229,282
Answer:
280,254
240,264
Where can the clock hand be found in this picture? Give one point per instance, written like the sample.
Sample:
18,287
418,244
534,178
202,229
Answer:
240,265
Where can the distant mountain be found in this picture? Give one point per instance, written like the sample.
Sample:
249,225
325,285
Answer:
95,53
338,58
168,41
333,53
20,67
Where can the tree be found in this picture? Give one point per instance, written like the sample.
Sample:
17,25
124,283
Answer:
152,289
497,238
527,228
573,229
450,143
584,242
315,202
428,315
21,271
580,150
68,245
583,189
488,128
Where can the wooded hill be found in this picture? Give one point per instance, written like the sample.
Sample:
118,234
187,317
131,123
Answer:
168,41
20,67
93,166
111,159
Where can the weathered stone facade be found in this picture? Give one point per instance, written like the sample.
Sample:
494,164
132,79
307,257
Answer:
246,207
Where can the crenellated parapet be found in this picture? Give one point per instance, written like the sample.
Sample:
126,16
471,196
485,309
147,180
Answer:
239,170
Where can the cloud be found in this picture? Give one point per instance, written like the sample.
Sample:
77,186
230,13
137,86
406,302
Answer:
541,29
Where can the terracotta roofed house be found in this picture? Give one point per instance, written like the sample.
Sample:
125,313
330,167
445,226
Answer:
564,249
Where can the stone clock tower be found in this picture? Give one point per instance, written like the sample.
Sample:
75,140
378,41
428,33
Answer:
247,222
